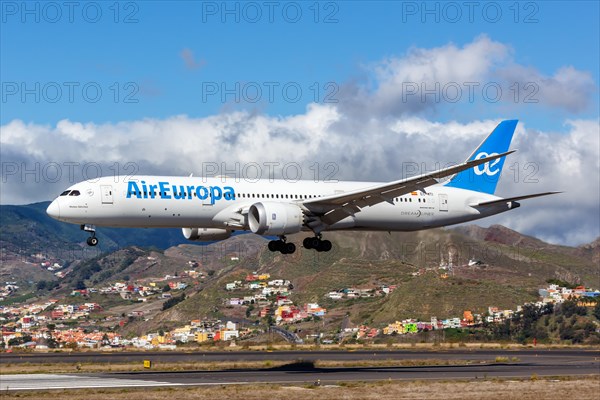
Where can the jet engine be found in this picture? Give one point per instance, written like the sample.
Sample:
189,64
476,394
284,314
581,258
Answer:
270,218
206,234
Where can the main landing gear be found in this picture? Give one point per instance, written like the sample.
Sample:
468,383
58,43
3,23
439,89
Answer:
282,246
92,240
316,243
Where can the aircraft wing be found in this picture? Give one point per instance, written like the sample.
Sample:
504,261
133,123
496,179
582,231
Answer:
331,209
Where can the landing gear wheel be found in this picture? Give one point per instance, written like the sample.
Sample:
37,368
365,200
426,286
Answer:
307,243
326,245
317,244
92,241
288,248
274,245
282,246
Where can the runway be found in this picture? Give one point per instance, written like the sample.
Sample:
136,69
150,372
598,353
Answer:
541,364
528,355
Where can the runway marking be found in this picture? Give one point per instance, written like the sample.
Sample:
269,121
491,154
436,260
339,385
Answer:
56,381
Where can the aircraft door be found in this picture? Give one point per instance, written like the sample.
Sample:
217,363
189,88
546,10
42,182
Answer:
106,193
443,198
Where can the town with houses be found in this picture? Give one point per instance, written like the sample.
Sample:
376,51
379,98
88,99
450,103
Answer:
60,323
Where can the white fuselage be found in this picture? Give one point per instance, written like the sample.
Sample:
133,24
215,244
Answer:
211,202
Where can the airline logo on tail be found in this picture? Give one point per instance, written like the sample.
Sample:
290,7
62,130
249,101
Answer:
489,168
484,178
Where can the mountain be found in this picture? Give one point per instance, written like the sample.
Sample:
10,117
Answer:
29,229
481,267
591,250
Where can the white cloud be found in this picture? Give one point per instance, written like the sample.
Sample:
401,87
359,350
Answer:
442,66
483,71
568,89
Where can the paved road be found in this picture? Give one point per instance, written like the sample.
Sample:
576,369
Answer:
530,362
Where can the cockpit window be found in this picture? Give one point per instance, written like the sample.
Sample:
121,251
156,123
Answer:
66,192
75,193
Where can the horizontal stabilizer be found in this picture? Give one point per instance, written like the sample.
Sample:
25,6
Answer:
500,201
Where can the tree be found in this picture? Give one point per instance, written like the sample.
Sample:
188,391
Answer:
105,340
249,310
597,310
173,301
51,343
166,288
569,308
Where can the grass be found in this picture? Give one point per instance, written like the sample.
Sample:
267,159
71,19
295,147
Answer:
526,389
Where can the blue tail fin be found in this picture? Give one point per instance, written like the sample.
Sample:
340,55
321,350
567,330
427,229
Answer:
484,178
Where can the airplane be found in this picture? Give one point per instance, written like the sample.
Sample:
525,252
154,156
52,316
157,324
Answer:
212,209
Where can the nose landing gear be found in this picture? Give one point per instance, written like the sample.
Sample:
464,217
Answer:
92,240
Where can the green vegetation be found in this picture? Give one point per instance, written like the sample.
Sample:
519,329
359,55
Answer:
17,299
559,282
565,322
173,301
46,285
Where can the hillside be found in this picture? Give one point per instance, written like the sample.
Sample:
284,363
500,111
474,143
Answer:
482,267
508,276
28,229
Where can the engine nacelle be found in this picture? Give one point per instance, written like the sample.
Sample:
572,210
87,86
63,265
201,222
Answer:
206,234
270,218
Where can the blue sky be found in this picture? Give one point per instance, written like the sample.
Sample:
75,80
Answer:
169,86
335,44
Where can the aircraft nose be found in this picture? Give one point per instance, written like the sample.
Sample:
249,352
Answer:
53,210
